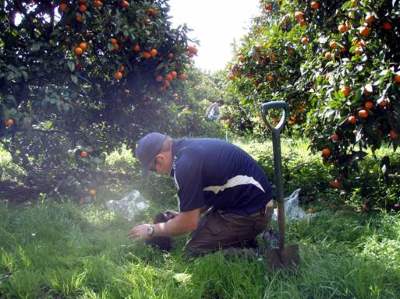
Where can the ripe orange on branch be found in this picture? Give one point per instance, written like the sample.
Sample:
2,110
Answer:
118,75
124,4
82,8
9,122
393,135
369,105
336,184
387,26
97,3
343,28
369,19
363,113
83,46
352,120
83,154
396,78
315,5
78,51
136,48
146,55
305,40
364,31
268,7
346,90
153,52
334,137
326,152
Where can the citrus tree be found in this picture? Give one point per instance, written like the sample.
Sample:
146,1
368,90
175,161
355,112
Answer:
79,78
336,63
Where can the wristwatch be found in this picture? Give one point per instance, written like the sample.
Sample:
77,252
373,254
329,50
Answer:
150,230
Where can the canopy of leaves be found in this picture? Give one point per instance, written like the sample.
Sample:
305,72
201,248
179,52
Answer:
336,63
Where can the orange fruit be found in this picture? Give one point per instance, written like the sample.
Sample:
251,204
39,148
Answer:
82,8
328,55
153,52
192,50
114,41
346,90
335,184
174,74
9,122
78,51
393,135
369,19
299,15
305,40
97,3
363,113
334,137
83,46
387,26
326,152
268,7
152,12
270,78
124,4
169,77
315,5
351,119
364,31
136,48
92,192
343,28
369,105
83,154
358,51
146,55
396,78
118,75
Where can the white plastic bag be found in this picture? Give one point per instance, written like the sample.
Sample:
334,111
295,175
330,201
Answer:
128,206
292,209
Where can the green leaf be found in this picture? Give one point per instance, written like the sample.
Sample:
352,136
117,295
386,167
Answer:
71,66
74,79
35,47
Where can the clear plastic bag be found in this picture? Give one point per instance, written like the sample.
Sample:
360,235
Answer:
292,209
128,206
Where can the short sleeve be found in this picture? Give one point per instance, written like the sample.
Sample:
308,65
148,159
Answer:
188,178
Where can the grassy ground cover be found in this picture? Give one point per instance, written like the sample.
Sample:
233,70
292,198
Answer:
61,250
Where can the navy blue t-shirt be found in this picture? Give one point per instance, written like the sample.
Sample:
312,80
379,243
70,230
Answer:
212,172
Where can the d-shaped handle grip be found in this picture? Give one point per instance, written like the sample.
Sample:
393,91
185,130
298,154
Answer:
275,105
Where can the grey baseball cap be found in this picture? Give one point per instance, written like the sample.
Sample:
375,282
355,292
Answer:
147,148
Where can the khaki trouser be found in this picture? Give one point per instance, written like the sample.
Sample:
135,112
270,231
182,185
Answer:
218,230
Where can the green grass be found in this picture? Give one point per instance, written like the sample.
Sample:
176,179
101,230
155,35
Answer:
60,250
64,251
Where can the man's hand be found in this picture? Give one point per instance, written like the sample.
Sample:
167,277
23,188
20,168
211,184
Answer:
140,232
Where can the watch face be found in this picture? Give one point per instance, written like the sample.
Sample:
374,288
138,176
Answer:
150,230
